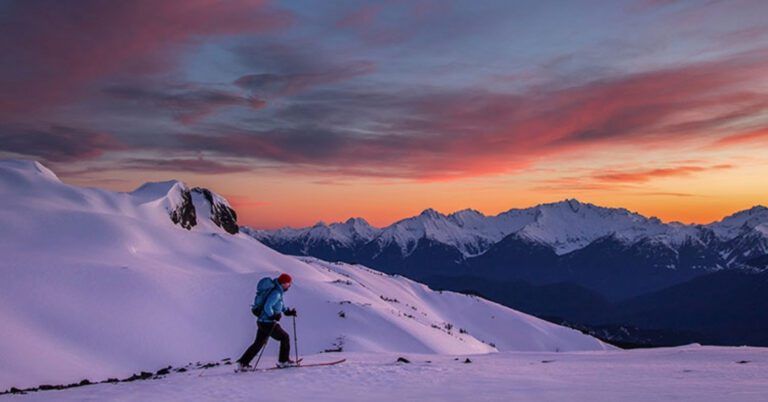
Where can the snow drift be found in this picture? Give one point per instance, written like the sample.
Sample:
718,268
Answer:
95,284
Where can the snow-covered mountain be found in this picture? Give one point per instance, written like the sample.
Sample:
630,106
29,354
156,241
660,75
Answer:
350,233
102,284
612,251
184,206
736,224
744,234
565,226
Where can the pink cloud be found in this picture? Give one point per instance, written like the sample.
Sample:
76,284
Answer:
642,176
54,50
187,165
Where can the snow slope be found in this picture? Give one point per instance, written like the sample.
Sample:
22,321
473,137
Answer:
100,284
690,373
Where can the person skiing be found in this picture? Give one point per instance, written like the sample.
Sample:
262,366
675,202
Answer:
268,317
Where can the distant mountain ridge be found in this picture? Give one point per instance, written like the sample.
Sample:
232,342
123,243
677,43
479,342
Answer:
564,227
573,263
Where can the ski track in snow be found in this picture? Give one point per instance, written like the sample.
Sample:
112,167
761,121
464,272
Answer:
691,373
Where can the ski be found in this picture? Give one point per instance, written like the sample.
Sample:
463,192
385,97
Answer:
333,363
237,371
296,363
253,369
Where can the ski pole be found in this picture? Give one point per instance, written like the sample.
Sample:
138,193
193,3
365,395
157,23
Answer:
274,324
295,340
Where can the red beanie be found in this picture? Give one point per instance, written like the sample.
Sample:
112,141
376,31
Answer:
284,278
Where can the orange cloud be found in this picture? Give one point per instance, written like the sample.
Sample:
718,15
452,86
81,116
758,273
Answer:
642,176
749,137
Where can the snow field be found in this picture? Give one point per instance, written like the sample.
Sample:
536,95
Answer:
682,374
96,284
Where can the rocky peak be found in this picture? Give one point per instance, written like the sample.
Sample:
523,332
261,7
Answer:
220,212
430,213
573,204
357,222
740,222
174,195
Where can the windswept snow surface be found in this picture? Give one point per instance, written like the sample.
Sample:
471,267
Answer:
691,373
97,284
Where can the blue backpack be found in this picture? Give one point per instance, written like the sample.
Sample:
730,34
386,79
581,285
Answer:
263,289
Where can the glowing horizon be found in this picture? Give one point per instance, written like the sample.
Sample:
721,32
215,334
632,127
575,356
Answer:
669,207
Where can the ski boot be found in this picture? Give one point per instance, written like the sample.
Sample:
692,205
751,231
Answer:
287,363
243,367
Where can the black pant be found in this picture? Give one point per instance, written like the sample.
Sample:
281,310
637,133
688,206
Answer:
261,339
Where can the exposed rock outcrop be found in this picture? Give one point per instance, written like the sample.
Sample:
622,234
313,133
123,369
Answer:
220,212
184,214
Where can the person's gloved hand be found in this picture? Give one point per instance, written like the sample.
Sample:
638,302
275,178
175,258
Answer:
291,312
277,317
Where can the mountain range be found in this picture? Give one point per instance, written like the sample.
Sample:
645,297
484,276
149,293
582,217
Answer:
572,261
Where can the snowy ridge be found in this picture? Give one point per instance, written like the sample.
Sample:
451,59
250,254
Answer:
433,225
99,284
171,199
565,226
349,233
745,234
22,167
740,222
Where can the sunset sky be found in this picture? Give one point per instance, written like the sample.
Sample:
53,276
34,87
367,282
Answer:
301,111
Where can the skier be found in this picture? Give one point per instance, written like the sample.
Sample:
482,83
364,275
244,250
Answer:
270,314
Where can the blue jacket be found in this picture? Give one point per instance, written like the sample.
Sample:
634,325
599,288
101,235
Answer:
273,304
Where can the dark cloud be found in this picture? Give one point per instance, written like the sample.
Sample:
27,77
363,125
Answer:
188,165
290,68
188,104
270,84
58,143
286,146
